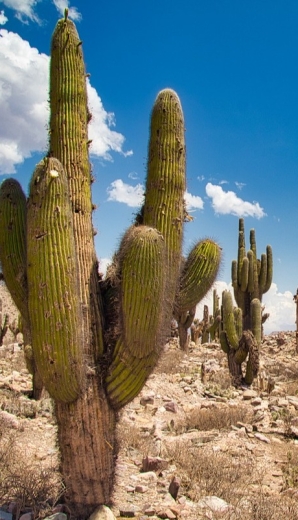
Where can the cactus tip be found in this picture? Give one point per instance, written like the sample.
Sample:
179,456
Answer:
65,13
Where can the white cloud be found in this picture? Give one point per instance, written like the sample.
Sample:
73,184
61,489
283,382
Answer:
103,265
201,178
133,196
240,185
119,191
23,100
104,139
282,310
133,176
193,202
73,13
227,203
24,9
24,80
3,18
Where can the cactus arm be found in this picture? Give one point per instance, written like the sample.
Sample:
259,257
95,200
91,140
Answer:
198,274
165,186
13,242
141,309
142,289
54,307
229,321
269,269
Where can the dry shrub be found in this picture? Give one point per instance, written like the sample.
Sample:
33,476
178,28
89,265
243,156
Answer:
170,360
261,507
290,470
27,483
130,438
204,472
214,418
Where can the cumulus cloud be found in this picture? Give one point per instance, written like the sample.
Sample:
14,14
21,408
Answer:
103,265
73,13
104,139
119,191
24,9
24,80
282,310
3,18
193,202
228,203
23,100
133,196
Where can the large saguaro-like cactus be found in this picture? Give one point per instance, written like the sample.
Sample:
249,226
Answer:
95,342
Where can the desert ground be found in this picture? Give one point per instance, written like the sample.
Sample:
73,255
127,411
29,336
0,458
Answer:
191,445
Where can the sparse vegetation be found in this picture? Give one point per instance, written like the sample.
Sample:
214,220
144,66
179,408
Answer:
27,483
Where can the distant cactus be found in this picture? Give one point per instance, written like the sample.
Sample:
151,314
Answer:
251,277
240,344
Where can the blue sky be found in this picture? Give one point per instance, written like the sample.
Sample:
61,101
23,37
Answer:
234,67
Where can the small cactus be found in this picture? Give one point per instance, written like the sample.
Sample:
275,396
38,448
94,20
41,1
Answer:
241,344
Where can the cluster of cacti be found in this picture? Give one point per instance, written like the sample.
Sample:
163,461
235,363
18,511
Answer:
241,327
95,342
208,328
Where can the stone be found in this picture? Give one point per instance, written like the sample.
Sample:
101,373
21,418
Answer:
174,487
249,394
129,510
9,420
102,513
216,504
171,407
26,516
154,464
262,438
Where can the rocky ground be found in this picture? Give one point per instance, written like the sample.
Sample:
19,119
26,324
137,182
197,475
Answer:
191,446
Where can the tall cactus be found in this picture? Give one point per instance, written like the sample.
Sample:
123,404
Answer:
95,342
251,277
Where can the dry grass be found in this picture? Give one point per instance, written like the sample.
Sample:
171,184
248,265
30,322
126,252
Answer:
213,419
130,439
24,482
170,361
208,473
